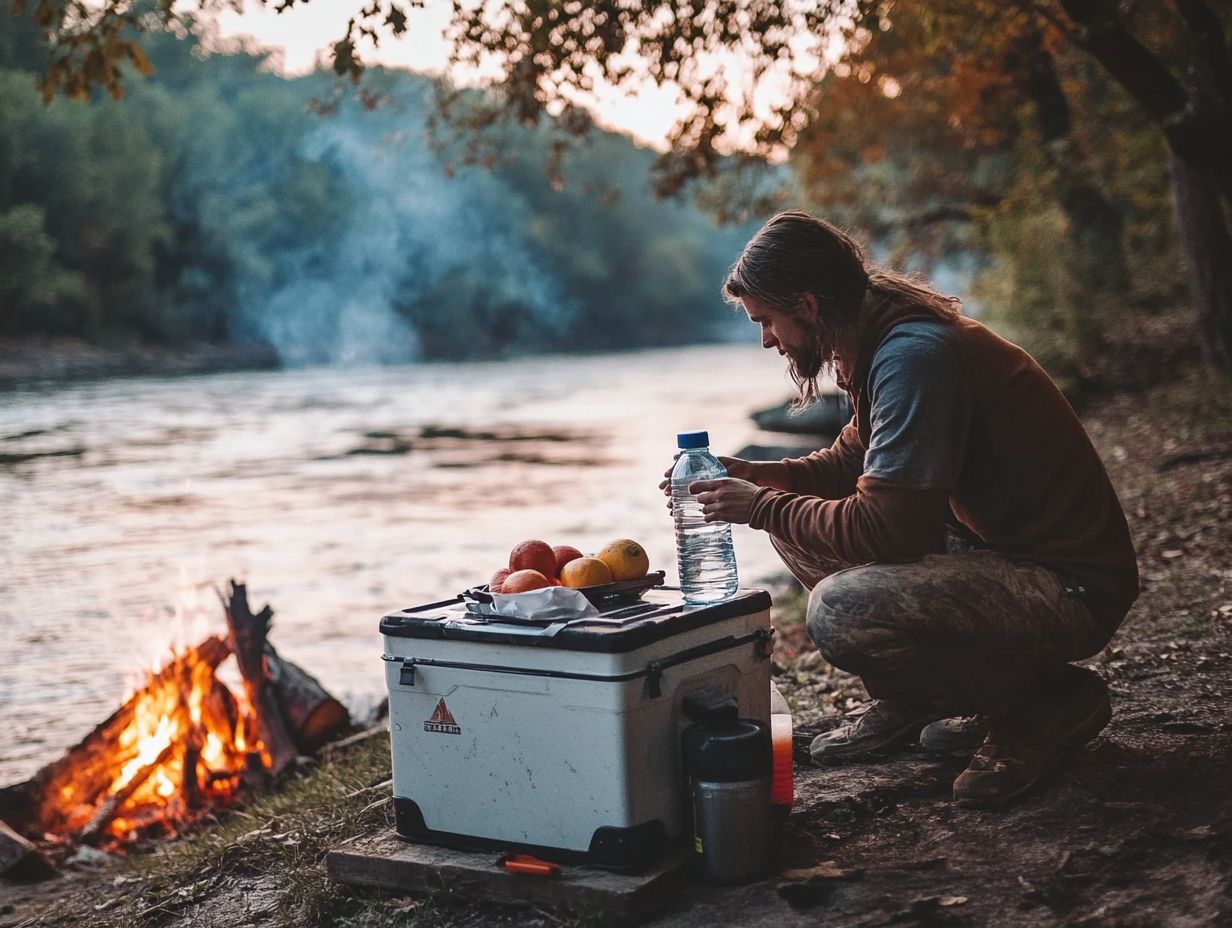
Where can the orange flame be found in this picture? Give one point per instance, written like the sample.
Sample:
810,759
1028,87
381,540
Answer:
184,749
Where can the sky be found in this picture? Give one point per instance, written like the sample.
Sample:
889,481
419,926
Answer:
304,34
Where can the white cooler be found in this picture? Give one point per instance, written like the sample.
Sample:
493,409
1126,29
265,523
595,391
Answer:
562,740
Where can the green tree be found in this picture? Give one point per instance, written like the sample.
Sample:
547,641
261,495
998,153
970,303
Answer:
35,290
1170,58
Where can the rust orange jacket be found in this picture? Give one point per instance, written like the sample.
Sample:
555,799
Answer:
1030,484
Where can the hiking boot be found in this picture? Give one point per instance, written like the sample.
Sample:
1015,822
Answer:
1021,750
954,736
878,731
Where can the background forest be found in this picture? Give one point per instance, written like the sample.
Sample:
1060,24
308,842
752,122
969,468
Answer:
215,202
218,201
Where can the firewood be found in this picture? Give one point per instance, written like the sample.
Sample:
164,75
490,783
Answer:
18,857
248,633
190,789
112,804
312,714
60,797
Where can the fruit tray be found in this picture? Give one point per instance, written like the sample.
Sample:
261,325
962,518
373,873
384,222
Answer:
602,596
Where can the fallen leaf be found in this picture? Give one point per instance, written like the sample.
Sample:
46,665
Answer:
953,900
1172,552
403,905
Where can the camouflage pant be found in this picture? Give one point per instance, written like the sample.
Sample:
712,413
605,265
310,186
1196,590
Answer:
965,632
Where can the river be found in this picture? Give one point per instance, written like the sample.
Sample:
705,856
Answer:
337,494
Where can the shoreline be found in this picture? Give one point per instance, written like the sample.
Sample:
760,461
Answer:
29,361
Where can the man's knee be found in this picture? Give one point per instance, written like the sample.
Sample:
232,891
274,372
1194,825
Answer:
840,618
850,618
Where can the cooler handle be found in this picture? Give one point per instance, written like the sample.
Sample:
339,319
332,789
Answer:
654,670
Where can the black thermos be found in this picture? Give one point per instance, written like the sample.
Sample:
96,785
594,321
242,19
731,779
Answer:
728,762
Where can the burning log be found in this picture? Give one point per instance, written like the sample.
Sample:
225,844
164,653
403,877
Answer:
18,857
190,786
182,743
313,715
289,700
248,641
112,804
62,796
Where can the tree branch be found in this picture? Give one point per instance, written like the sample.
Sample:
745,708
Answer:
1196,133
927,219
1102,32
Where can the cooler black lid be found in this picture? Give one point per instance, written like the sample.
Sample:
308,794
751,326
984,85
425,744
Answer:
660,614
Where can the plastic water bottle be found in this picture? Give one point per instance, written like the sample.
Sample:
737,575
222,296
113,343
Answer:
704,552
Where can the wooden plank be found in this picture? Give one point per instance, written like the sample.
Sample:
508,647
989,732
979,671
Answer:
387,862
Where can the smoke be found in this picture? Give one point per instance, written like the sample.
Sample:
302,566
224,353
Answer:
406,228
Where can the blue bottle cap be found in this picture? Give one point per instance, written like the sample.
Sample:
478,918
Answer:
693,440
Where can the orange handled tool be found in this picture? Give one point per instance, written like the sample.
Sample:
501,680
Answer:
525,863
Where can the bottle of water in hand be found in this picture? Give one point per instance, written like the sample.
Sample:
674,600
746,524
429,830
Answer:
704,552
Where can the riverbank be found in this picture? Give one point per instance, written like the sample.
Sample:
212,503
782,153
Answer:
29,360
1136,830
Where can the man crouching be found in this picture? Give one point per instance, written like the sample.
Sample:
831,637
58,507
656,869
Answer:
961,538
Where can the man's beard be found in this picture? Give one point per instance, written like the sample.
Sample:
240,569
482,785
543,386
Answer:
806,365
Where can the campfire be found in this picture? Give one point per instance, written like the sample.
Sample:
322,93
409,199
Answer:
182,744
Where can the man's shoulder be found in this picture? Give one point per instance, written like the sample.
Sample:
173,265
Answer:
920,335
917,348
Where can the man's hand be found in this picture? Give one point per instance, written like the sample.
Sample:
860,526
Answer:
726,500
666,485
741,469
735,467
760,473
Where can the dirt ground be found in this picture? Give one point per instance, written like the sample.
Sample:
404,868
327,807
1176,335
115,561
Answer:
1135,831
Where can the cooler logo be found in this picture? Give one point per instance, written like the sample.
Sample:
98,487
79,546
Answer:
443,721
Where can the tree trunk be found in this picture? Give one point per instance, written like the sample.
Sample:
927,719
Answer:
1095,248
1196,120
1206,244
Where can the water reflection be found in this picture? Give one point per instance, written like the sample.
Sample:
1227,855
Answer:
337,494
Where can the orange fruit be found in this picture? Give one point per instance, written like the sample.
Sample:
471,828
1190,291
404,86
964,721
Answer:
498,580
564,554
626,559
585,571
523,581
533,555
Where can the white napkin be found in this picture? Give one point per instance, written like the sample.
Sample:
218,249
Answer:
553,603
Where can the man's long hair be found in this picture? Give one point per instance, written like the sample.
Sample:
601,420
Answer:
794,254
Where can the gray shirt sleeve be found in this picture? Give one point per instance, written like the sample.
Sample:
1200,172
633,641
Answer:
920,408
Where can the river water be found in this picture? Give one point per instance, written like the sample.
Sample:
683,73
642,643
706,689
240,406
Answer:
337,494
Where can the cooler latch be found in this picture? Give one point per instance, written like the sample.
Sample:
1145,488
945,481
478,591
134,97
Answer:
763,646
406,676
654,679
